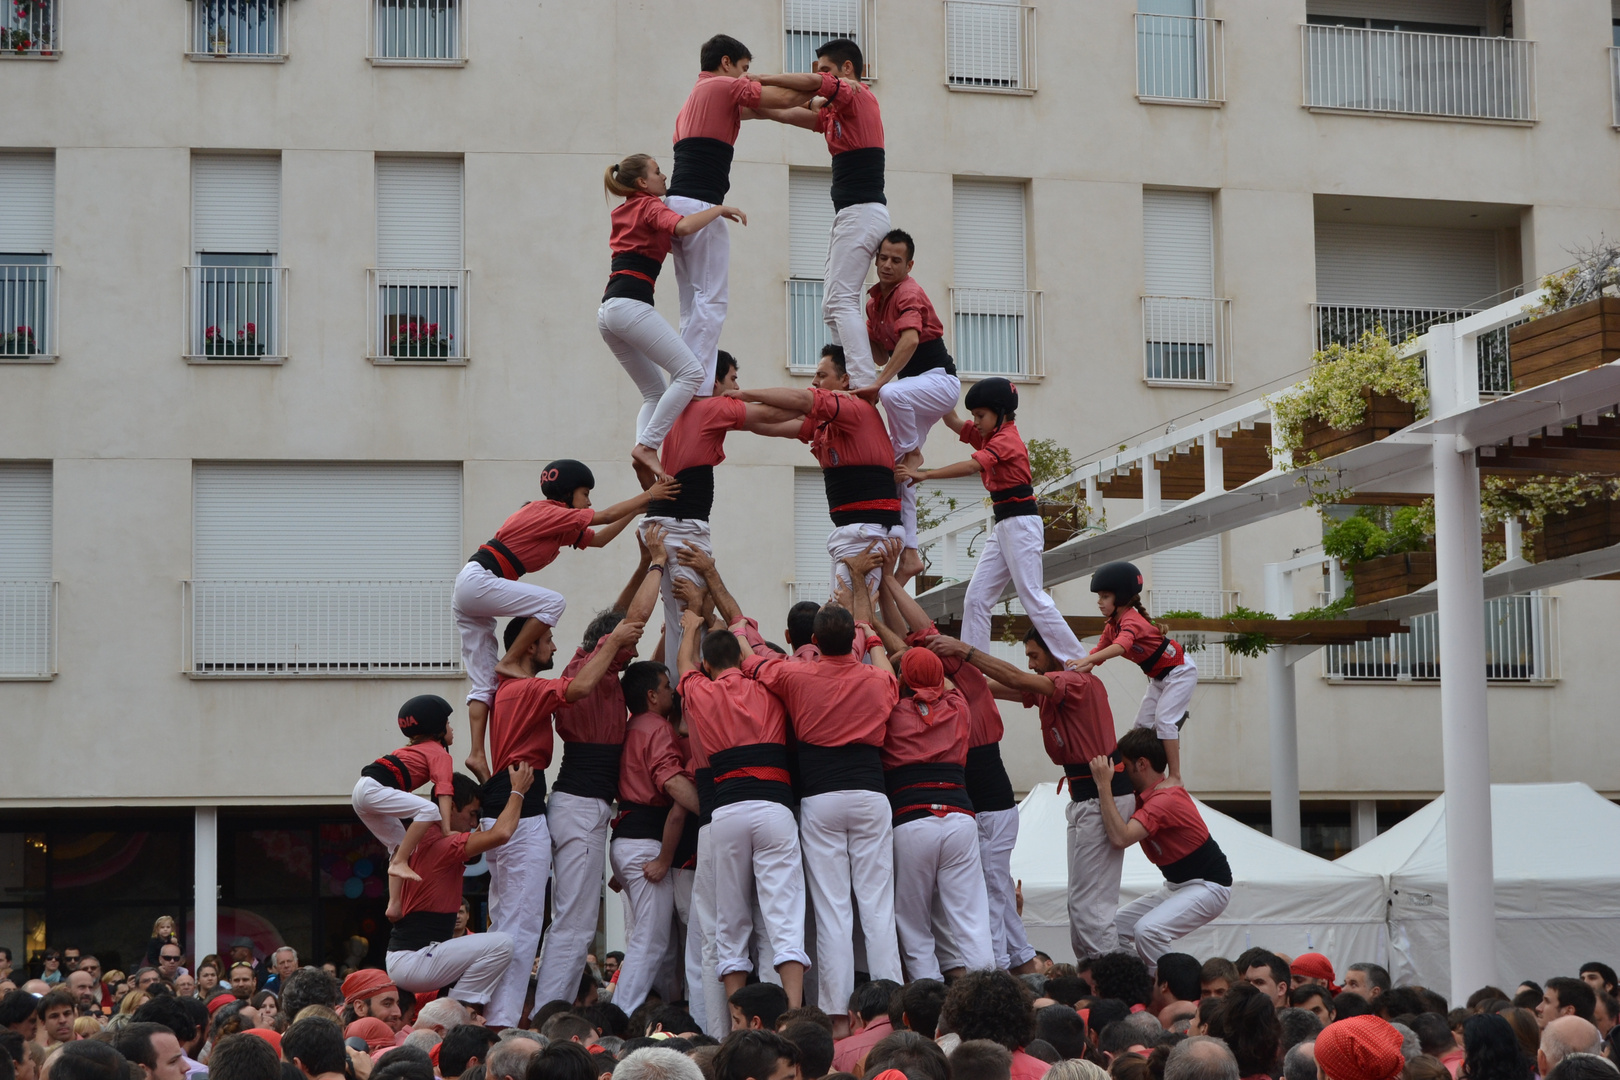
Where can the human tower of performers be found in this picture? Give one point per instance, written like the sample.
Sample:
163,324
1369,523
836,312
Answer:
786,805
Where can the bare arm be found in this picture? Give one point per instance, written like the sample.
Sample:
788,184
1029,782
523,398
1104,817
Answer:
629,592
1011,678
730,610
604,536
624,635
798,117
691,639
944,472
505,825
955,421
667,488
781,97
894,364
768,414
906,609
793,399
800,82
683,791
691,223
1121,833
787,429
655,868
645,598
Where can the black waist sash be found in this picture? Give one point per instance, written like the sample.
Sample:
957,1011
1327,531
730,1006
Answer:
420,929
1016,501
702,169
929,355
686,847
632,277
926,789
1153,658
498,788
987,783
1206,863
757,771
704,780
639,821
695,500
390,771
849,485
857,177
498,559
1083,787
839,768
590,770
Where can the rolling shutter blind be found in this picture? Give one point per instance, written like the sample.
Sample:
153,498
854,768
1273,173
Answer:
811,524
1453,12
27,203
988,223
419,213
810,219
236,203
1398,266
1178,243
1188,577
25,522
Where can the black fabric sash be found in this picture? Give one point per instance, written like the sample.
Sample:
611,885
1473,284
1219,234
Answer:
702,169
420,929
492,554
696,499
498,788
849,484
1016,501
857,177
839,768
729,789
390,771
929,355
590,770
988,785
926,784
632,277
1083,787
639,821
1207,863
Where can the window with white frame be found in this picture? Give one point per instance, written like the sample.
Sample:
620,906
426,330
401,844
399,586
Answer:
236,287
1189,578
237,29
1180,57
28,28
809,24
324,569
27,274
990,45
995,316
417,32
810,218
1184,324
419,288
27,593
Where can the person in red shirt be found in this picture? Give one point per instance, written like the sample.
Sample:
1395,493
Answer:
520,731
1076,726
646,345
1013,550
488,587
1166,822
1172,675
423,951
655,794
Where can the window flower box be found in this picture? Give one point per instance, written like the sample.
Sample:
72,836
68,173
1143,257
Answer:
1575,339
1384,415
1392,575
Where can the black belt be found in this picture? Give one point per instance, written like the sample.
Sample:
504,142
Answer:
498,789
755,772
639,821
929,356
987,783
696,499
861,494
390,771
702,169
1083,786
857,177
498,559
420,929
590,770
839,768
1206,863
632,275
926,789
1016,501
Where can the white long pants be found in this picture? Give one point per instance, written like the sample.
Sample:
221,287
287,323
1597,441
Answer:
848,844
654,905
940,854
1095,866
678,533
1166,700
755,845
706,995
579,836
518,870
648,347
481,597
474,963
1152,923
702,273
998,834
1013,553
848,541
676,972
381,808
856,233
912,407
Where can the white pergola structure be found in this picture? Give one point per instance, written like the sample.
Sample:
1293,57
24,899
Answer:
1438,455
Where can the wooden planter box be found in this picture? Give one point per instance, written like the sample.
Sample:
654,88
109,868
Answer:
927,581
1585,528
1385,416
1392,576
1584,337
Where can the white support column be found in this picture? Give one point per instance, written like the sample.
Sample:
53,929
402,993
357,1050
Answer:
1363,821
1150,485
1094,495
205,880
1284,747
1513,537
1214,464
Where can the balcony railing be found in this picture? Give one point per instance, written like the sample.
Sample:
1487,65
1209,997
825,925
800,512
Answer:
236,30
417,32
1180,60
1614,85
28,320
808,24
28,30
1343,324
1521,646
997,332
417,315
1187,340
27,629
990,45
236,313
1404,73
807,331
1216,663
260,628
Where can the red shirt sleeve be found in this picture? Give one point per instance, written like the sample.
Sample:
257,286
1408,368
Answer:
988,454
542,697
658,217
686,681
1124,634
910,313
732,416
664,758
441,770
970,435
831,408
746,93
750,631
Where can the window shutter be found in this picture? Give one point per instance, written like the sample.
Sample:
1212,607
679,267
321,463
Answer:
811,524
1178,243
236,203
1445,12
1397,266
27,203
1188,577
810,23
989,234
25,522
419,213
810,219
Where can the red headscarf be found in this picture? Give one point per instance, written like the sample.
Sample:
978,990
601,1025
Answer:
377,1033
366,984
925,674
1360,1048
1313,965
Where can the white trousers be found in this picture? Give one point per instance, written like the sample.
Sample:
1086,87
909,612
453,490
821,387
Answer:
849,846
579,835
940,854
1013,553
474,963
1152,923
676,972
648,347
1095,866
518,870
702,273
1166,700
381,808
479,598
998,834
654,905
706,995
913,406
755,845
678,533
856,233
848,541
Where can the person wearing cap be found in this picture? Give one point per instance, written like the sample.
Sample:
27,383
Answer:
384,795
376,1034
1313,969
1360,1048
489,586
370,994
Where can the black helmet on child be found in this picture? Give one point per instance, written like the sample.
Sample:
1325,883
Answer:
424,714
997,395
1122,579
562,477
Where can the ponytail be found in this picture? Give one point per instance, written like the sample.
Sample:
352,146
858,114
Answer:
620,178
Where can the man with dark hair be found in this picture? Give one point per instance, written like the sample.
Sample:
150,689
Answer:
815,1045
1267,973
757,1006
1598,975
1348,1004
18,1012
1216,977
154,1048
915,1007
370,992
1176,987
869,1023
309,986
981,1059
673,1020
1367,980
1063,1028
316,1046
177,1016
756,1055
464,1045
1300,1026
1066,989
994,1005
569,1027
244,1057
86,1060
1314,999
1124,976
57,1010
1563,996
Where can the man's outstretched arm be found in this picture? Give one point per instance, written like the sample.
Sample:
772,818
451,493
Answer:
1024,682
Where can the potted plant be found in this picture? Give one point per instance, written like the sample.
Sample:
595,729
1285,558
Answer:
20,343
1064,511
217,342
1385,552
1354,395
415,338
1575,328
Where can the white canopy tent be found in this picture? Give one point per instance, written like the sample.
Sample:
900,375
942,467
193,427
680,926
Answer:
1282,898
1557,885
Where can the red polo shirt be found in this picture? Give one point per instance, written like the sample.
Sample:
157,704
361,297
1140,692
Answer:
600,716
845,430
1003,458
699,434
1140,639
644,225
542,528
520,721
906,307
984,716
1076,722
851,119
731,710
919,733
1174,826
652,755
713,109
439,860
427,761
836,701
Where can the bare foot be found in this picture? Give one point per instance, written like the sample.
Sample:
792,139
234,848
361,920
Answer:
911,565
395,910
646,458
403,872
647,476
